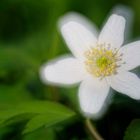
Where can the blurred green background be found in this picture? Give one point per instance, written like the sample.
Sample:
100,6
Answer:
28,38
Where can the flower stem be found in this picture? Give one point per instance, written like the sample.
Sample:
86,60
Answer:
93,130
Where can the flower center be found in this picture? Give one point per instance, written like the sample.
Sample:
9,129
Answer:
102,60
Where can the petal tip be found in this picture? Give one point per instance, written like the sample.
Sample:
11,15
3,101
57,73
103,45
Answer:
120,17
43,72
75,17
69,17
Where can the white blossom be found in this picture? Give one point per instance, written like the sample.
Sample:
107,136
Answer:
98,61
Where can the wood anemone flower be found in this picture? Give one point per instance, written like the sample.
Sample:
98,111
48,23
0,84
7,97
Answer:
98,62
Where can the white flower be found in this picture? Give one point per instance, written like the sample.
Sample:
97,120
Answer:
98,61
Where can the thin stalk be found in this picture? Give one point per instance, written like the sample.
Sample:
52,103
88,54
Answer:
92,130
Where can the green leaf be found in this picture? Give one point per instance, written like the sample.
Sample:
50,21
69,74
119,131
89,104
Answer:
46,120
41,134
43,113
133,130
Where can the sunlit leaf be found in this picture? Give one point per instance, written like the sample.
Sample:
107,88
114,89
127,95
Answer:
41,113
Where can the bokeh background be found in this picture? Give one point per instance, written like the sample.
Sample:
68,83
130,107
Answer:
29,37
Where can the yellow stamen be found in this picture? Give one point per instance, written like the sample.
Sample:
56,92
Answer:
102,61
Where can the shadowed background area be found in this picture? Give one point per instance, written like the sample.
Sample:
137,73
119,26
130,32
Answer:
29,37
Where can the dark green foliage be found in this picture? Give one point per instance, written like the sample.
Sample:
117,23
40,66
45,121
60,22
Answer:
133,130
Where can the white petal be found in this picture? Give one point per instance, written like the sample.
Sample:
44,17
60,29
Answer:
128,14
78,33
113,31
92,95
126,83
131,55
65,71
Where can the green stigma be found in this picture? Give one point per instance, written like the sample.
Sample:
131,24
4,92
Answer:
102,62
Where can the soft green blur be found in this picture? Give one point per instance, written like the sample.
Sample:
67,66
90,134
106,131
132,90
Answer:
29,37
